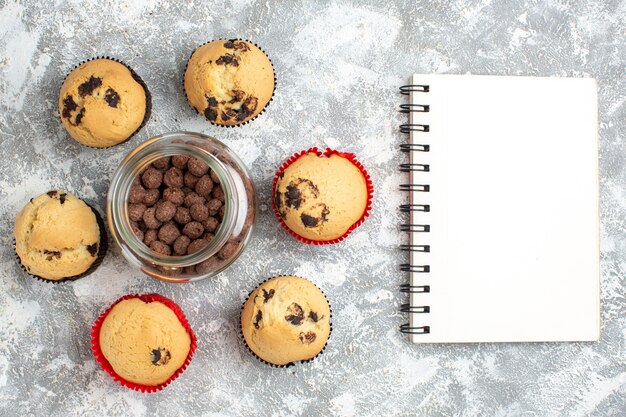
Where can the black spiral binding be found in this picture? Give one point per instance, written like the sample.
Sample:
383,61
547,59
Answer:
407,208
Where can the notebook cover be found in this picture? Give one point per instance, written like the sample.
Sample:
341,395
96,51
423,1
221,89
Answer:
514,219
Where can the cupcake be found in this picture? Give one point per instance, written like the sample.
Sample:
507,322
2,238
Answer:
58,236
229,81
143,341
320,198
103,103
286,319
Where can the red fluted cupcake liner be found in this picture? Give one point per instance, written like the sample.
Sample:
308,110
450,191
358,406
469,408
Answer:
148,298
327,153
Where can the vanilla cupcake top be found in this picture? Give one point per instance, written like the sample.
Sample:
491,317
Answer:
286,319
56,236
101,104
229,81
320,198
144,342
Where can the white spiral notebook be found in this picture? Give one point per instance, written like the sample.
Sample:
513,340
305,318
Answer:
504,220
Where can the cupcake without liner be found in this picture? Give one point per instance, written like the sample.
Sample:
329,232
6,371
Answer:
143,341
321,197
286,319
229,81
58,237
103,103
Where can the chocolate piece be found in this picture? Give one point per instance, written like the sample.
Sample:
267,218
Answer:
308,221
79,116
210,114
62,197
293,197
294,314
174,178
160,356
257,319
214,206
313,316
68,107
151,197
165,211
228,250
208,236
228,59
277,199
220,214
193,229
268,295
111,97
138,232
190,180
214,177
210,224
180,245
207,265
196,245
182,215
197,167
150,220
204,186
199,212
162,163
168,233
152,178
93,249
308,337
237,95
136,194
193,198
312,221
250,105
160,248
174,195
135,211
150,236
86,88
51,194
237,45
180,161
218,193
211,101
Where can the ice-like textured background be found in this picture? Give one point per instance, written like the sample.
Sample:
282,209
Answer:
339,65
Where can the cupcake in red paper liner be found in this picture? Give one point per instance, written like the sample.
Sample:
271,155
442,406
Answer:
321,197
143,341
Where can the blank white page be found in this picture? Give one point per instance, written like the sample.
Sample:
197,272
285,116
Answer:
514,221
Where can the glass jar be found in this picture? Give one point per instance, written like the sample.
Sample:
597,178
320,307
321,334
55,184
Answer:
237,218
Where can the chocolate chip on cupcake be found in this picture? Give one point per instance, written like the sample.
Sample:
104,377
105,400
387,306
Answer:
321,198
102,103
144,341
58,236
229,81
286,319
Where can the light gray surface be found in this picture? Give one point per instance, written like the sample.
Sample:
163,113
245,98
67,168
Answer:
338,67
